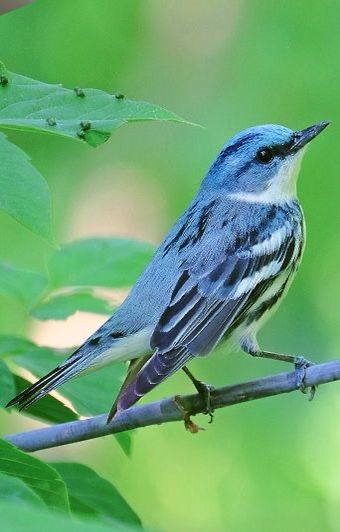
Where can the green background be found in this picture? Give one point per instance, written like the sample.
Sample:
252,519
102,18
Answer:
262,466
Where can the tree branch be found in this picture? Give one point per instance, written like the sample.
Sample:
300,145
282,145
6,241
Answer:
169,409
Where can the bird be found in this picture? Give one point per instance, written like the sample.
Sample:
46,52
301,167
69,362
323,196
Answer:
220,272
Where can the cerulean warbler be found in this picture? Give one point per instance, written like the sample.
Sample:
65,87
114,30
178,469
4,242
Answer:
218,274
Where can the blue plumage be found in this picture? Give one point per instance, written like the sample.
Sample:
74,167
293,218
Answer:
223,266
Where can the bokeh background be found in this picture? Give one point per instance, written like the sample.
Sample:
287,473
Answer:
266,465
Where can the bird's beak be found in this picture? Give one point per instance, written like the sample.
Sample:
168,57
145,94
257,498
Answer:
302,137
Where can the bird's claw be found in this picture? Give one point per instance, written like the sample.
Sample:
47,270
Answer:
301,365
189,425
204,391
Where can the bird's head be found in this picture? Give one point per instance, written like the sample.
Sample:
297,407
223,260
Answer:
261,163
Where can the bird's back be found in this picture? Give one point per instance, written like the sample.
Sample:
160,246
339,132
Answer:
209,231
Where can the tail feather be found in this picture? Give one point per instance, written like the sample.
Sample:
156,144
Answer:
134,367
46,384
158,368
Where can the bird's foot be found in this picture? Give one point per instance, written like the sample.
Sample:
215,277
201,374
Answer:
204,391
301,364
189,425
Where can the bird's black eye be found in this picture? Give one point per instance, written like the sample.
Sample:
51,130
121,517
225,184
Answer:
264,155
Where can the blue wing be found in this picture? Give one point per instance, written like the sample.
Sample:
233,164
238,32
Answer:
204,304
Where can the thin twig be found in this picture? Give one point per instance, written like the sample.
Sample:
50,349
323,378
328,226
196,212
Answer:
168,409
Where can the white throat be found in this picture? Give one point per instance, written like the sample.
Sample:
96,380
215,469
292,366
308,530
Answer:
282,186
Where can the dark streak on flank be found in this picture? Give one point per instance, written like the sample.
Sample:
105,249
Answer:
289,254
297,258
259,289
299,253
266,305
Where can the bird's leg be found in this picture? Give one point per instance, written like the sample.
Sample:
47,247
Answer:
204,391
188,423
300,363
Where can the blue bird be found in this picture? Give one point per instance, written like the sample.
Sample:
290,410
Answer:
216,277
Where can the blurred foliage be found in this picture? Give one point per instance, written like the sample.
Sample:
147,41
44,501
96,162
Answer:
42,479
93,495
87,115
25,194
61,306
32,519
98,262
269,465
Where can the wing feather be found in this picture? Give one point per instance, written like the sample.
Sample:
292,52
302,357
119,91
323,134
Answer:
203,305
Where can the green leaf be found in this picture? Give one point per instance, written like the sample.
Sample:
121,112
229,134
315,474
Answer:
90,394
23,285
9,345
110,262
125,441
48,408
89,115
33,519
24,191
61,306
7,384
14,490
93,496
38,476
22,347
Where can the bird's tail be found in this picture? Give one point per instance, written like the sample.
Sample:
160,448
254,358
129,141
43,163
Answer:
155,370
46,384
134,367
